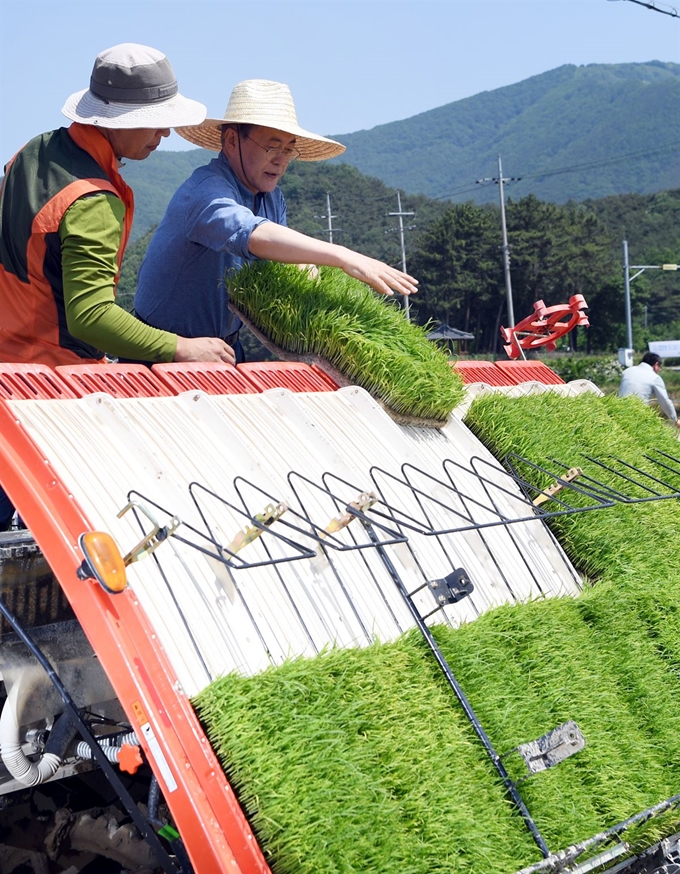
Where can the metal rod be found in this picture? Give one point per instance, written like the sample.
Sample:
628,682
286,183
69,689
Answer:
626,276
460,695
559,861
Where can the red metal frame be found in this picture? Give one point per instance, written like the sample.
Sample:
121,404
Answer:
31,381
214,829
211,377
481,371
118,380
293,375
528,371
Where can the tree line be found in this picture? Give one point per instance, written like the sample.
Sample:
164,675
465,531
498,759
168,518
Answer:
455,251
555,252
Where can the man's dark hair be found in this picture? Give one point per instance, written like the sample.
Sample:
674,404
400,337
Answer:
243,129
651,358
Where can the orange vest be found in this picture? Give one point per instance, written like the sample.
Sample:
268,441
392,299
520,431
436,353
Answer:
41,182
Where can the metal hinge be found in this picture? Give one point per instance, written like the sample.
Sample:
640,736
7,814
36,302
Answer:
451,588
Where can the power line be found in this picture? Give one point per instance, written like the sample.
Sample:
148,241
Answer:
659,7
590,165
455,193
601,163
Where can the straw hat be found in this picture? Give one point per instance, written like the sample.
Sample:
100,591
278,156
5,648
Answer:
268,104
132,86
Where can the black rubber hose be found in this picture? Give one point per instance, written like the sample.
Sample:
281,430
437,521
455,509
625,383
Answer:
64,732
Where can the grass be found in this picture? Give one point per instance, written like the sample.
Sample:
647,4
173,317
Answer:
361,334
362,761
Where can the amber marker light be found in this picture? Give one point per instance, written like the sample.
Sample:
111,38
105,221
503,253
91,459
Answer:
103,561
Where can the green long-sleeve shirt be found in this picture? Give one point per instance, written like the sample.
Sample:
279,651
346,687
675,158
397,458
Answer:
90,234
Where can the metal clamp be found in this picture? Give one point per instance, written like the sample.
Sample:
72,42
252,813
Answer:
153,539
572,474
363,502
551,748
451,588
247,535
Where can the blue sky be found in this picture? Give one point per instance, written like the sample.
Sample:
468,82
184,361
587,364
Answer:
351,64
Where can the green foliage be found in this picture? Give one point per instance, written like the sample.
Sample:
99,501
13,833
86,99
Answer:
603,371
155,180
366,338
584,117
651,225
361,207
460,273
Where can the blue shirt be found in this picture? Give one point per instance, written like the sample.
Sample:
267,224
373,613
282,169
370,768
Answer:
204,233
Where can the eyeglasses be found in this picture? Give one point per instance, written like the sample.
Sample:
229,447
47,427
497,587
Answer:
287,155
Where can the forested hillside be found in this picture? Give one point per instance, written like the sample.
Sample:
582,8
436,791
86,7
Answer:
571,117
155,180
580,119
555,250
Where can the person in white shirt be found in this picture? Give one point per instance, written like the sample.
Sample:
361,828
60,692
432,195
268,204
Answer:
644,381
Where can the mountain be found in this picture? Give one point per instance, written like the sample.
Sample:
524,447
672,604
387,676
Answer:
618,123
587,117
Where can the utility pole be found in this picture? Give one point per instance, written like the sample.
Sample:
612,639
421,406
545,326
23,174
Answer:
626,282
506,249
401,214
329,217
627,279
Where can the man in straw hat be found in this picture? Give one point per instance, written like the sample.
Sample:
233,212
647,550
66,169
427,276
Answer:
66,214
231,211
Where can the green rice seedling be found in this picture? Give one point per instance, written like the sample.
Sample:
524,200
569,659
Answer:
367,339
362,760
364,757
527,669
545,427
646,677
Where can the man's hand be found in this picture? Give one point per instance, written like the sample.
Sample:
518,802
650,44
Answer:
381,277
203,349
311,270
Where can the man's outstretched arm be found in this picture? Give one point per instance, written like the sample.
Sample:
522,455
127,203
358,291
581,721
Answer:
277,243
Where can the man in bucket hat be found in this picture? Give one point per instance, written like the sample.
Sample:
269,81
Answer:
231,211
66,214
65,218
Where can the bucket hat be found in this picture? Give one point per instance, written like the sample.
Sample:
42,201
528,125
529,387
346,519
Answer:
132,86
268,104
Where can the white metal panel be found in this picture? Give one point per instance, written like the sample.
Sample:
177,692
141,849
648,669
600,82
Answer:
254,450
568,389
